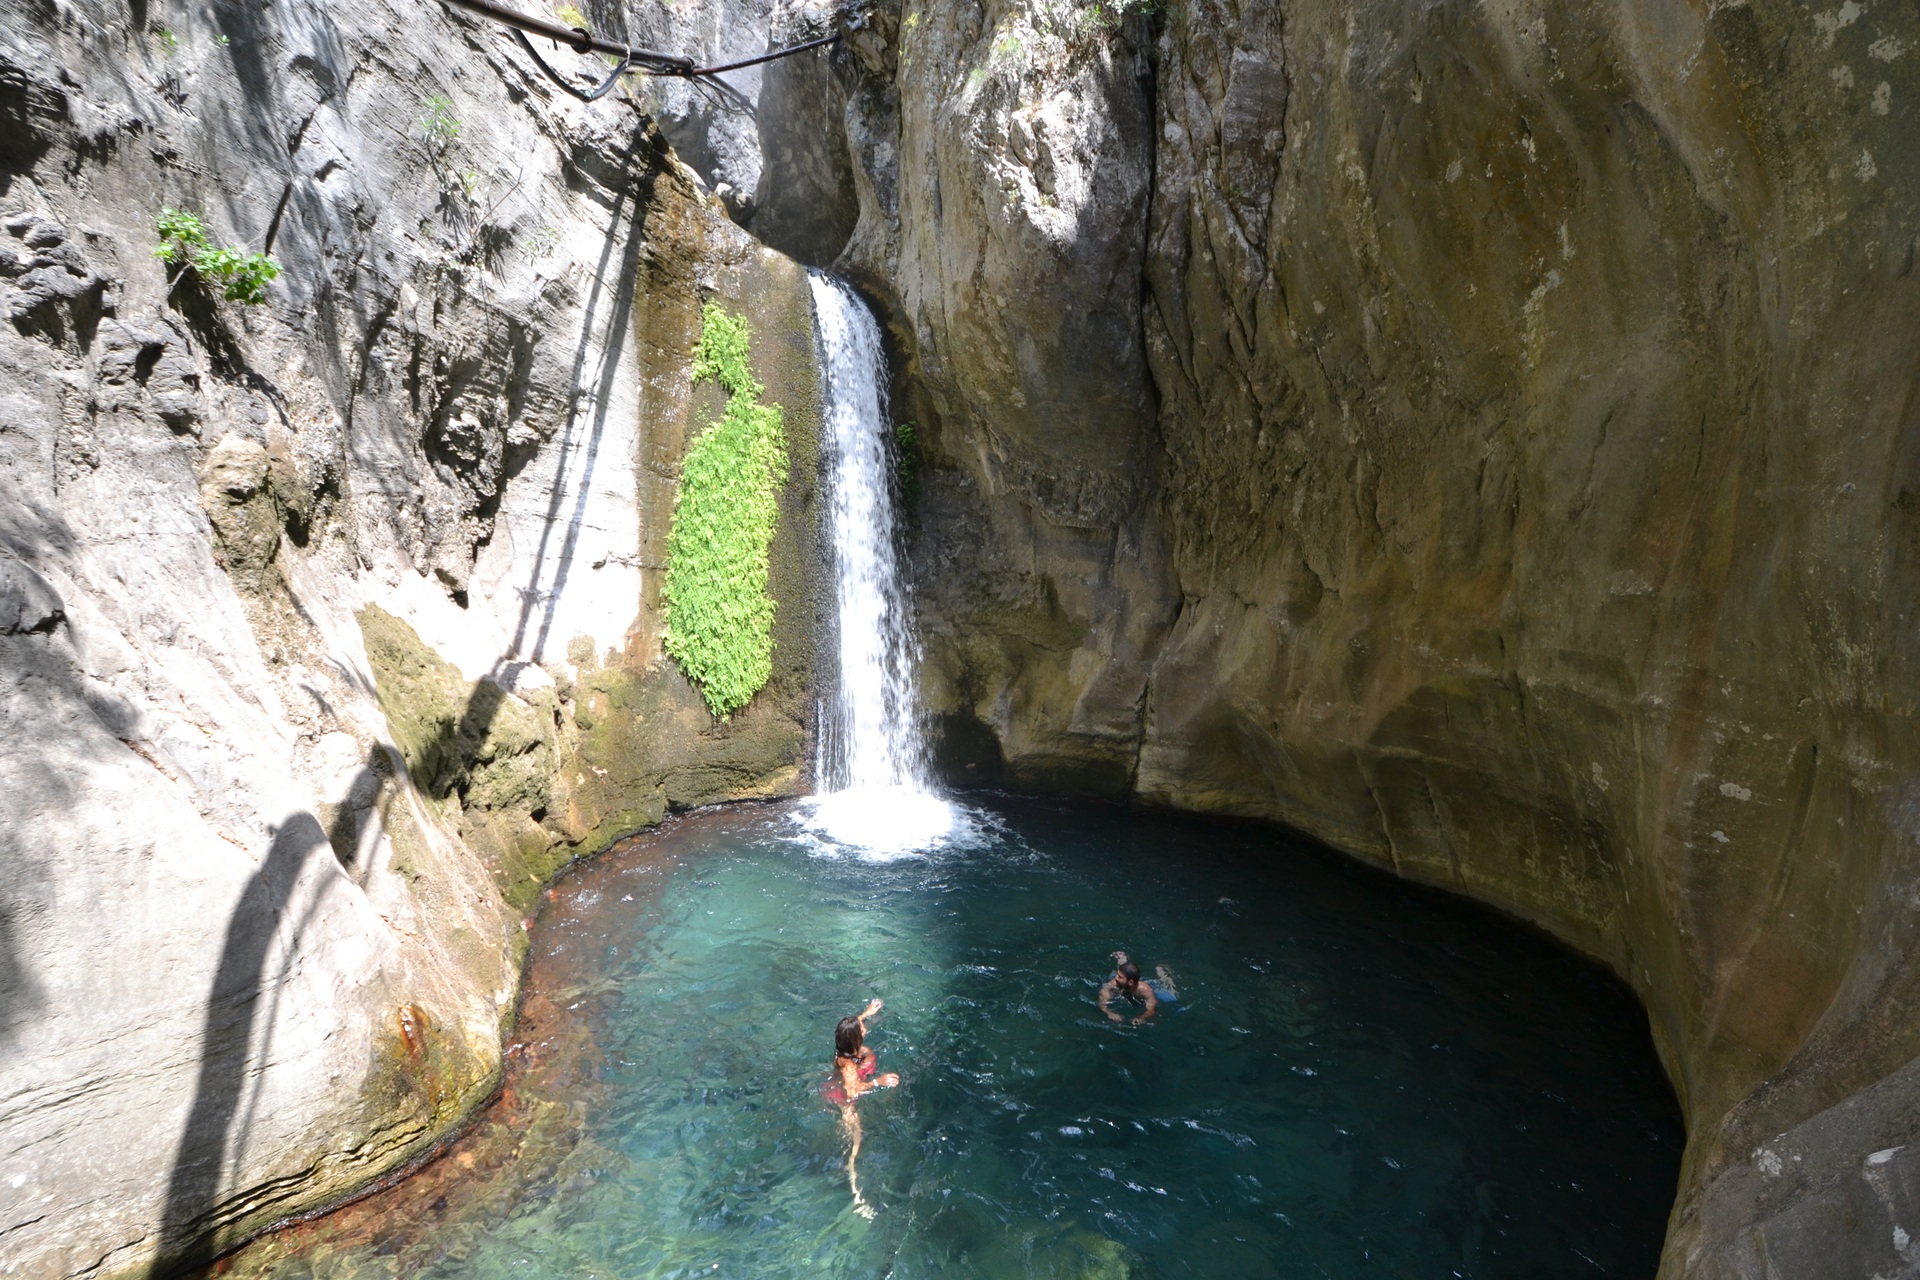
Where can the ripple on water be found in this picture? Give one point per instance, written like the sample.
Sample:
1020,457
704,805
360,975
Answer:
1478,1102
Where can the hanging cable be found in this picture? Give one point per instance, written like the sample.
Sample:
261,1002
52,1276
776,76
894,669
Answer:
787,52
641,61
579,39
606,86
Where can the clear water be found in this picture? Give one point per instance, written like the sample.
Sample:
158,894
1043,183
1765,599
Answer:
1360,1078
875,792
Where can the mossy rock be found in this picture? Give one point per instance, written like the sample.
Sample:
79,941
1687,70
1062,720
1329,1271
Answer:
473,749
455,734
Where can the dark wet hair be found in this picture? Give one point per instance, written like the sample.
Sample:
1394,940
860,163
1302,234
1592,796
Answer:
847,1038
1130,971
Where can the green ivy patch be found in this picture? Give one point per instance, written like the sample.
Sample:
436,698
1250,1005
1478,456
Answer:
906,466
719,615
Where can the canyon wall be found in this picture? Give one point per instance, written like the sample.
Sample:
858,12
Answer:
329,627
1538,407
1484,436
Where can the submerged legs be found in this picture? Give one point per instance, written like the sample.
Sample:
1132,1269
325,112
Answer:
850,1122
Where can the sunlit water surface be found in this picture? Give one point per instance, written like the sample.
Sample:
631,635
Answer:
1360,1078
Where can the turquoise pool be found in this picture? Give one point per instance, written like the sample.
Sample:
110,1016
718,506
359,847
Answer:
1360,1077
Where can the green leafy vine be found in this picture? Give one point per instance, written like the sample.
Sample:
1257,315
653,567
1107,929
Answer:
719,615
240,276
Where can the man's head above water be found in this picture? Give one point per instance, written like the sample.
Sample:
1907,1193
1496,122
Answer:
1125,984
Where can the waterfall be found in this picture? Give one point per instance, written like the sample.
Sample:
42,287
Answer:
875,793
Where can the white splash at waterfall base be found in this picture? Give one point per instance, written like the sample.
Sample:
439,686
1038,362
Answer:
874,792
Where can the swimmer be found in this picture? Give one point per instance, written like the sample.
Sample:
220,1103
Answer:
853,1061
854,1065
1126,982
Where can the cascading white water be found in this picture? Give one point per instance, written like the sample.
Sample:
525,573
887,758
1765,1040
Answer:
872,742
874,790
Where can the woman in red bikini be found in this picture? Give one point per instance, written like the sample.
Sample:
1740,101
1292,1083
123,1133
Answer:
853,1074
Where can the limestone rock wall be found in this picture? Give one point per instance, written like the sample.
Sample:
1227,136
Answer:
1480,434
714,129
328,627
1517,493
1538,400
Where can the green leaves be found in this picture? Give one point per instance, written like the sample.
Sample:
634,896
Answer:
181,235
719,615
240,276
721,355
440,125
1074,20
442,130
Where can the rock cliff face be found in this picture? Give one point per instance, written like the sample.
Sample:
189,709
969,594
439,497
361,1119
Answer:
1538,403
1483,436
328,627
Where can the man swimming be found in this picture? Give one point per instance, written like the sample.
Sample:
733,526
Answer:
1126,983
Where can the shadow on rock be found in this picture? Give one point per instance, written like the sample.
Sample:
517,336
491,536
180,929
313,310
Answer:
20,995
194,1187
617,295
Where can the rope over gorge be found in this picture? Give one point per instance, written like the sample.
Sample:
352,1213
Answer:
641,61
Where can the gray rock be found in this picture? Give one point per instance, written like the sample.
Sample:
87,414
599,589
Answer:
28,603
45,271
806,204
254,562
1527,428
713,129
